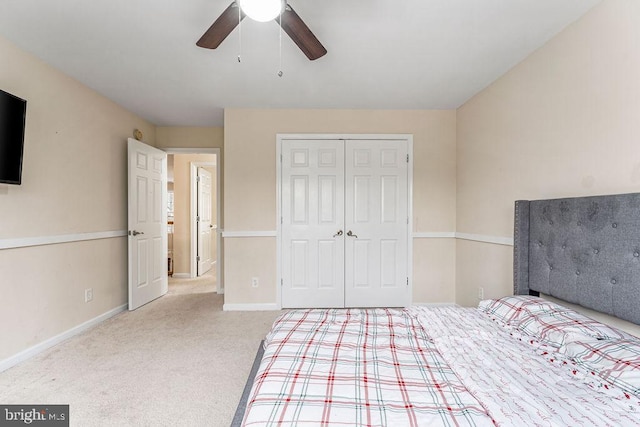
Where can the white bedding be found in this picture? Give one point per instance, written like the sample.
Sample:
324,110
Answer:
423,367
520,381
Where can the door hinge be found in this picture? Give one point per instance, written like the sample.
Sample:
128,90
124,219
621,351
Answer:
198,218
197,179
407,158
198,258
407,281
281,221
407,220
281,282
281,158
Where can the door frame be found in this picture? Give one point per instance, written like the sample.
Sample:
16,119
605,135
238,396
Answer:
194,250
280,137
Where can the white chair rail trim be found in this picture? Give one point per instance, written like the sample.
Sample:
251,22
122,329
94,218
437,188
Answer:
25,242
267,233
496,240
434,235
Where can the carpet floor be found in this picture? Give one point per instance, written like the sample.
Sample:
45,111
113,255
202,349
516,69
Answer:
177,361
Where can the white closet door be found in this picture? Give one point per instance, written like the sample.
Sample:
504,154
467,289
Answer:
312,220
376,216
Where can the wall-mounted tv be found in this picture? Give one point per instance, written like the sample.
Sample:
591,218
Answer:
12,121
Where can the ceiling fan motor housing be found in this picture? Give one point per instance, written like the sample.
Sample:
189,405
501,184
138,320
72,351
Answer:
262,10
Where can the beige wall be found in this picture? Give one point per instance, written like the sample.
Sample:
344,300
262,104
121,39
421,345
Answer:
182,208
250,191
189,137
564,122
74,181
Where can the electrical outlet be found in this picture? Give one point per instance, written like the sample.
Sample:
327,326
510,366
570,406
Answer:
88,295
480,293
254,282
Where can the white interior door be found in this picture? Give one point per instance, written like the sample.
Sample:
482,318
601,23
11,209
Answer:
147,178
344,232
312,224
376,224
203,221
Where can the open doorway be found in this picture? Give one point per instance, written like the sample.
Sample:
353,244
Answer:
193,216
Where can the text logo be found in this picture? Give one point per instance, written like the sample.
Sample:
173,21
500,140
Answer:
34,415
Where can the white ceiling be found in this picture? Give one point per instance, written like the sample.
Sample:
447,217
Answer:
382,54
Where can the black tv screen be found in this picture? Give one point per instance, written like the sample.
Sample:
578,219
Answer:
12,121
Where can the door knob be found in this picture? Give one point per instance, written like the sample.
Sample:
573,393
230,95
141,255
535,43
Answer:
350,234
135,233
339,233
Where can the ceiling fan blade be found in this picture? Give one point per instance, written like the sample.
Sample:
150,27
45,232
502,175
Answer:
301,35
223,26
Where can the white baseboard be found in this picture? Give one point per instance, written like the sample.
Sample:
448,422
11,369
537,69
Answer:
274,307
435,304
39,348
181,276
251,307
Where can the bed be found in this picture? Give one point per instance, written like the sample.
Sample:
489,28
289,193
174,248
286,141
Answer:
513,361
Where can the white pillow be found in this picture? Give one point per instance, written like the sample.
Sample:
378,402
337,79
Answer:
556,328
512,309
615,361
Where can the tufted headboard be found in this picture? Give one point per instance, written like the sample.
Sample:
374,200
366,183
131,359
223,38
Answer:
584,250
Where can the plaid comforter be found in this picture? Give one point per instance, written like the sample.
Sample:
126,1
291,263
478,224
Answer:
357,367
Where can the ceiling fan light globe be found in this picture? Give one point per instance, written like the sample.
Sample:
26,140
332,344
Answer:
262,10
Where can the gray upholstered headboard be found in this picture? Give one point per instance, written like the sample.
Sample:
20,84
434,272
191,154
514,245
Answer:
585,250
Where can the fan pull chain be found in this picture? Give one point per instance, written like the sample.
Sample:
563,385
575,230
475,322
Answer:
239,34
280,73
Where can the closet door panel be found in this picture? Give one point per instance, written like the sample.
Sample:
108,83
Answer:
376,214
312,195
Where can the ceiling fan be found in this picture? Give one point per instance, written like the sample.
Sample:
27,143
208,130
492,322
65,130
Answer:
289,20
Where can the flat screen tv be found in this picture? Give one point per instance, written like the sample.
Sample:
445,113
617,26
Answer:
12,121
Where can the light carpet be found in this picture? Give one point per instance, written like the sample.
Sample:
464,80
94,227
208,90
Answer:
177,361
